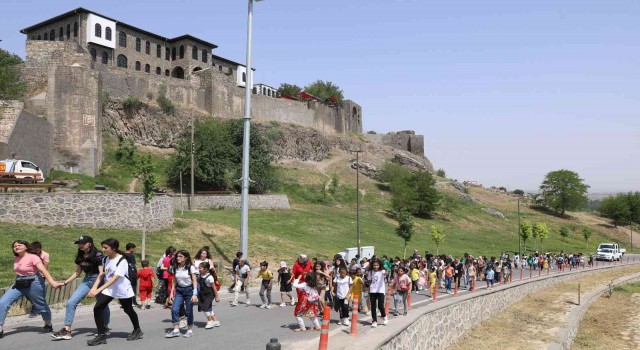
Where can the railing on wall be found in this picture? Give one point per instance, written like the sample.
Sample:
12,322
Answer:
53,297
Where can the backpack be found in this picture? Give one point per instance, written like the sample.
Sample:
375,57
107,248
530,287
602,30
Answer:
129,274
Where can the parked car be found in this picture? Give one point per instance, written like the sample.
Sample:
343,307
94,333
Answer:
10,170
608,252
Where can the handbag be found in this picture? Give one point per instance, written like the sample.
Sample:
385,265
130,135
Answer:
19,284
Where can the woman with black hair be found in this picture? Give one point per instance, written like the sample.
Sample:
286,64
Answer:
27,265
88,260
183,291
116,286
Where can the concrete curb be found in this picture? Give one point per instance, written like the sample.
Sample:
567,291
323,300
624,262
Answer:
566,335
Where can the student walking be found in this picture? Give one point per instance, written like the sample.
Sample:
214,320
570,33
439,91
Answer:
341,290
284,279
145,281
184,291
133,269
36,247
207,294
307,305
88,260
265,285
489,276
403,288
243,275
116,285
27,265
377,290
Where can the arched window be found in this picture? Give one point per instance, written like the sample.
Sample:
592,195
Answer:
39,37
68,31
138,44
167,53
147,68
61,34
46,36
204,56
181,51
167,72
138,66
264,89
52,35
147,48
122,39
159,51
194,52
173,54
220,68
105,57
178,72
75,29
122,61
158,71
244,79
107,33
255,90
98,30
94,54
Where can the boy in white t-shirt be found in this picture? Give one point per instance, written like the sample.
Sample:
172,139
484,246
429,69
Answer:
341,290
116,286
243,273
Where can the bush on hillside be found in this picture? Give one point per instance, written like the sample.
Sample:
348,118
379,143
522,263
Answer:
440,172
218,157
413,192
164,102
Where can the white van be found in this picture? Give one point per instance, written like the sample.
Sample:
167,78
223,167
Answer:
10,168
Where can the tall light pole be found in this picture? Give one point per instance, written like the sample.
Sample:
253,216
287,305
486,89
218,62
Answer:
193,153
244,211
357,152
519,226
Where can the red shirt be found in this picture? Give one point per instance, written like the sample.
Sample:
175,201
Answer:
145,276
299,270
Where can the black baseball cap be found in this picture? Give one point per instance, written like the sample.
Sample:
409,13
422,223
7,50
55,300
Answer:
83,240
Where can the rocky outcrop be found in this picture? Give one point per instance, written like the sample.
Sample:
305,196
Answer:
494,213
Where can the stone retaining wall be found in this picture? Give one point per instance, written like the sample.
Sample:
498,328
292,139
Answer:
101,210
232,201
440,328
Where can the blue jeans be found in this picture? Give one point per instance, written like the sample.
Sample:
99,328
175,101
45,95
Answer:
447,282
76,298
35,294
183,295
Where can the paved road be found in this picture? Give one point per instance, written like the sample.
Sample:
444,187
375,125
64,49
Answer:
243,327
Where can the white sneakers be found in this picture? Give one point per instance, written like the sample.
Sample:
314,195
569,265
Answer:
263,306
189,334
374,324
234,303
211,324
283,304
385,321
174,333
248,302
345,321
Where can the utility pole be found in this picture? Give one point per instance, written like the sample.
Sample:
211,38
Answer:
193,151
631,234
357,152
519,226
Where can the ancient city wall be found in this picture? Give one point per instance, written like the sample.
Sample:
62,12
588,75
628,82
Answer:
404,140
100,210
27,136
231,202
442,327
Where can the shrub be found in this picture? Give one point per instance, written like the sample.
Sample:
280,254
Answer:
104,100
131,103
371,132
126,150
440,172
149,96
166,105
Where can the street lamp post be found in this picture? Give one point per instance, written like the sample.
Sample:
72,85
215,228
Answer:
519,226
244,212
357,152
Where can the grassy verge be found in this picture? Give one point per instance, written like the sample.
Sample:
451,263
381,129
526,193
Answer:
608,326
532,323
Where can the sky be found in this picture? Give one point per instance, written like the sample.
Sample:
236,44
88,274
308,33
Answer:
503,91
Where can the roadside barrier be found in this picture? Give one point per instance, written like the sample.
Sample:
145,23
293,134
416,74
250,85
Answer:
435,293
530,273
274,344
409,301
521,273
455,287
540,272
388,301
473,285
354,317
324,331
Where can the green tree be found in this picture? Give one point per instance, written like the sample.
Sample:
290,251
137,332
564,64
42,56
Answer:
11,88
535,234
440,172
616,208
437,236
289,90
586,233
633,199
564,190
218,157
518,192
564,234
543,233
526,231
324,90
147,173
405,227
